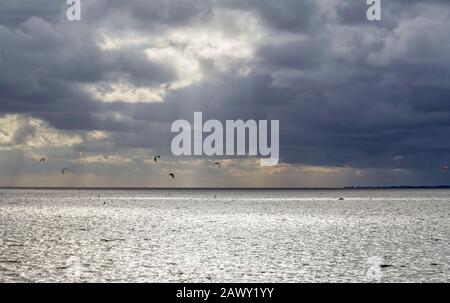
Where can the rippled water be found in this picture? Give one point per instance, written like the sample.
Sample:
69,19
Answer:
224,236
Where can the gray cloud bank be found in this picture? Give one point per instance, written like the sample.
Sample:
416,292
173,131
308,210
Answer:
372,97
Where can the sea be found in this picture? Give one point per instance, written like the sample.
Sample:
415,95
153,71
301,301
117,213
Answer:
224,235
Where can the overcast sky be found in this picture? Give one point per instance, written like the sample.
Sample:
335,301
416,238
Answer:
359,103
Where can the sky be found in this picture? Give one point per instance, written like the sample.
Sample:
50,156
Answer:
360,103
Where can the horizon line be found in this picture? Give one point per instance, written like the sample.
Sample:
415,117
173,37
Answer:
229,188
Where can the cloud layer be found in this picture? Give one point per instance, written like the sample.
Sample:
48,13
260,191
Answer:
359,102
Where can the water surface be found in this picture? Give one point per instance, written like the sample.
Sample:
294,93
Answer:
224,235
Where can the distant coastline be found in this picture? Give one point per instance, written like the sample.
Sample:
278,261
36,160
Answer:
230,188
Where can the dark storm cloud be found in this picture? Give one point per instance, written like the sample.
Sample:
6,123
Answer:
161,11
290,15
46,65
13,13
347,92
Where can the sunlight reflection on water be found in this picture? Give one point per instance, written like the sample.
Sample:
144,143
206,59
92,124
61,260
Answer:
224,235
